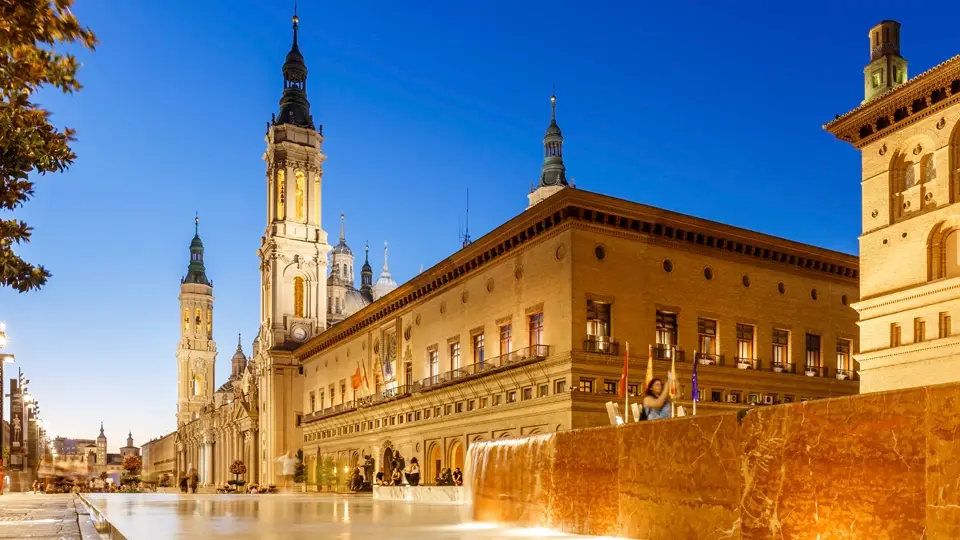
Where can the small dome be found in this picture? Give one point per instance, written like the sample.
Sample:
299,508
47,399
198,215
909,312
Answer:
342,249
354,302
384,285
553,129
239,356
196,242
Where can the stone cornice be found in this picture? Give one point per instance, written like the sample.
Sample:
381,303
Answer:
581,208
918,98
906,294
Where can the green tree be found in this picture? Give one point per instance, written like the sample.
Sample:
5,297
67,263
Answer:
29,32
300,471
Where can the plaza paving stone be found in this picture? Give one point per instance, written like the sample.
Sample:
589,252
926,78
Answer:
39,517
293,517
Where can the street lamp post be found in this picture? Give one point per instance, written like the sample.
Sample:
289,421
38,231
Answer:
4,358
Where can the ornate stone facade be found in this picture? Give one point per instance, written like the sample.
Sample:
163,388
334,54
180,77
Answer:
909,137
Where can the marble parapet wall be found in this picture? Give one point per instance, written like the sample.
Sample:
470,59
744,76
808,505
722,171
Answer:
423,494
883,465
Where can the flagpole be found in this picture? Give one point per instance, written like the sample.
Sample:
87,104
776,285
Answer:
626,386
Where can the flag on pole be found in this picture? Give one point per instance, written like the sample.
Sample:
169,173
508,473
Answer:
364,380
355,379
623,374
695,387
649,376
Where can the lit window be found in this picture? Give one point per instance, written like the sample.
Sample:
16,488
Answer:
598,319
745,341
512,396
298,304
843,354
781,344
586,385
478,352
536,329
666,329
434,362
813,350
707,336
609,387
877,78
454,356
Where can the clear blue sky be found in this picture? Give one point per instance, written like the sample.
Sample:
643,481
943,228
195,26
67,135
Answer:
713,110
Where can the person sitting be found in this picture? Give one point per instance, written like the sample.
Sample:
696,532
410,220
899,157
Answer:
413,476
355,481
458,477
396,478
379,480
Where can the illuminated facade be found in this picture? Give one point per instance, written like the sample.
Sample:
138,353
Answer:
524,330
908,132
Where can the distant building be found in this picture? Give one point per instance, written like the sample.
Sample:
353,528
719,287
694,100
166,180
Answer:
908,133
90,457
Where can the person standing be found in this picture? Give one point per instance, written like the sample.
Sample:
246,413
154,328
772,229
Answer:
656,402
194,480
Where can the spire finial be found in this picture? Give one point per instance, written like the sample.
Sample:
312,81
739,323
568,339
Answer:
239,342
366,252
553,104
466,232
196,224
296,25
343,235
385,267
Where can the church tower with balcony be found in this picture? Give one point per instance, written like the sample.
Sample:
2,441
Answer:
293,260
196,351
908,133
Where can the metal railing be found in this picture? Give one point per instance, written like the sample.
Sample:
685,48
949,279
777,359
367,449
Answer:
708,359
782,367
601,345
746,363
490,365
816,371
667,352
846,374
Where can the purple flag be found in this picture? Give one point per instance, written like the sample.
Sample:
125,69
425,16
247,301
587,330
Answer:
695,384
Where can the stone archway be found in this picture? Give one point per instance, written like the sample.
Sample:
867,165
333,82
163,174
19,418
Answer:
386,463
455,456
434,462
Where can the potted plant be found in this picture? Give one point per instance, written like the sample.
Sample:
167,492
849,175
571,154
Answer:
300,472
326,472
238,468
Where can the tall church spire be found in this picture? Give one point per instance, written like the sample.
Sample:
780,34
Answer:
366,274
294,107
196,272
553,174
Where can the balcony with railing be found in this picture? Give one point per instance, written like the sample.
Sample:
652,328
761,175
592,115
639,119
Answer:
492,365
746,363
709,359
384,396
601,345
667,352
777,366
816,371
846,375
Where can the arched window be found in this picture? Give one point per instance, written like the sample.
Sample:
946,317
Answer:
186,320
209,322
198,320
298,296
281,194
301,196
943,252
954,172
951,265
197,386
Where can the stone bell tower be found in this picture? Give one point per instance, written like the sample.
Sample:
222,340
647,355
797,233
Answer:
293,259
197,351
887,69
553,175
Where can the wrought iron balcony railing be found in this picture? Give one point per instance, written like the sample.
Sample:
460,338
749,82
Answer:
708,359
491,365
746,363
815,371
667,352
846,374
601,345
782,367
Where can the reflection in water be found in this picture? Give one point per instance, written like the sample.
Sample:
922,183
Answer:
295,517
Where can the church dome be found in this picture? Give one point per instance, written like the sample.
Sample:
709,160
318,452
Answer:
353,302
553,129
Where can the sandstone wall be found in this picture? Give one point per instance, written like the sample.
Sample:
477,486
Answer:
875,466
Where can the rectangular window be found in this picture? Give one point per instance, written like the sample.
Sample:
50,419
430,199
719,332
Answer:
716,395
322,405
426,414
706,336
877,78
433,358
754,399
313,402
788,399
536,329
894,335
843,355
559,386
598,319
338,305
459,407
701,394
781,348
506,339
666,329
478,349
400,418
512,396
945,330
632,389
436,411
528,393
447,410
454,356
299,419
745,341
919,330
471,405
497,399
343,392
408,373
609,387
543,390
813,350
586,385
483,402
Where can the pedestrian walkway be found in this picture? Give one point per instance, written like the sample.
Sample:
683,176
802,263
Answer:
42,517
